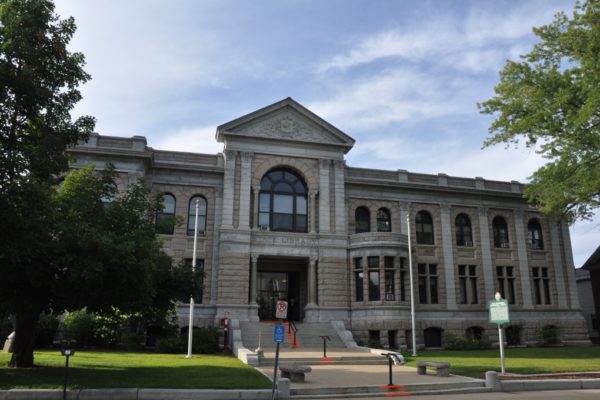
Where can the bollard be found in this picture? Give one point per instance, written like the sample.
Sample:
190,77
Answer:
390,360
283,389
67,350
325,339
491,380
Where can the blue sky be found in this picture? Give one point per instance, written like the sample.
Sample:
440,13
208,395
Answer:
401,77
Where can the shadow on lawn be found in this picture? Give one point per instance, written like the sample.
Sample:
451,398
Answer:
182,377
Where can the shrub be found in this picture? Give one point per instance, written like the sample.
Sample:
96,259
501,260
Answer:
171,344
45,330
132,340
453,342
206,340
79,325
107,330
548,335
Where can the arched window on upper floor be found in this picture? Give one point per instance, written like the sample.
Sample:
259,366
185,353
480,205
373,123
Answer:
534,234
192,215
282,202
462,226
424,225
500,232
384,220
165,218
362,220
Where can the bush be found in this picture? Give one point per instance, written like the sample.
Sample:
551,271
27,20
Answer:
107,330
548,335
46,328
171,344
206,340
453,342
132,341
79,325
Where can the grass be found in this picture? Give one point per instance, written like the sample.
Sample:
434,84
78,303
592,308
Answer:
535,360
103,369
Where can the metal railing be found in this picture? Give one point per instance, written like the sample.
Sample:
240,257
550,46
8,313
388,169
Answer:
292,328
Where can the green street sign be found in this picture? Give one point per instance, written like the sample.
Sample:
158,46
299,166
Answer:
499,311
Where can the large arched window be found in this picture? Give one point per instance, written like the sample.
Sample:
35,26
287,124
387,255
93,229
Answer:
362,219
500,232
165,218
282,202
424,224
534,234
462,225
192,215
384,221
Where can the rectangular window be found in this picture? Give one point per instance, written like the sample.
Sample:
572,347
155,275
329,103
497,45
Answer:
390,293
388,262
402,280
428,283
374,292
373,262
467,279
506,283
541,285
358,279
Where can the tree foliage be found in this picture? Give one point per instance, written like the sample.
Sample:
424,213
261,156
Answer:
551,99
67,248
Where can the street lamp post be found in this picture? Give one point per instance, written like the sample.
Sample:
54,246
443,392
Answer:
191,317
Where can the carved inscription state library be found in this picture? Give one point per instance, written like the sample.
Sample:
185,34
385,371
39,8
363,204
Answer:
282,216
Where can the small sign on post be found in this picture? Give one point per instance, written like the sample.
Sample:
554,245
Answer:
279,334
281,309
499,315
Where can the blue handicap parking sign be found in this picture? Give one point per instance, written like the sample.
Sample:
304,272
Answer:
279,334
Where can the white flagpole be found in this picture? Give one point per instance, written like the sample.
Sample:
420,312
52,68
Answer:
191,317
412,291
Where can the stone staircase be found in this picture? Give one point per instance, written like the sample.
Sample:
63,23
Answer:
308,335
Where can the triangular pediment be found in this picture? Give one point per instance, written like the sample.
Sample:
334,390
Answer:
286,120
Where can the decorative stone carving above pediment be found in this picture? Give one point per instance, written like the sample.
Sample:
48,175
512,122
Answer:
286,120
286,125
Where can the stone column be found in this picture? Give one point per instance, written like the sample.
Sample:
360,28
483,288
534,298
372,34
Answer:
324,216
340,198
486,254
246,172
253,282
312,282
523,261
256,192
559,273
214,272
447,240
570,267
312,195
228,188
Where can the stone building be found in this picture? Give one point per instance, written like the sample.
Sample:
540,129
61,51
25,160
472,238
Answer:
282,216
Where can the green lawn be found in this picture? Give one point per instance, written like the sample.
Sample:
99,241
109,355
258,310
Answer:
535,360
99,369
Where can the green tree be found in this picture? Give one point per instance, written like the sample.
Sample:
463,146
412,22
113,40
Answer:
38,89
551,99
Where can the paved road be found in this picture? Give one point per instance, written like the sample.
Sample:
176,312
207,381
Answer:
547,395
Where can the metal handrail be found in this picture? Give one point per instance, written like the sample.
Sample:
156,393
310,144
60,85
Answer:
292,327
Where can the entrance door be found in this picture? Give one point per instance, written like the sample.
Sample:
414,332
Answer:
273,286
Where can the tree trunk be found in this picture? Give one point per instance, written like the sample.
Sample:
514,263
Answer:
25,324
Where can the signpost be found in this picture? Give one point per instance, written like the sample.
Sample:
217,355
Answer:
67,349
278,337
499,315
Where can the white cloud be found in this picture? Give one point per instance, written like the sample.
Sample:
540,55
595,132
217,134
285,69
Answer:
471,44
195,140
584,239
394,96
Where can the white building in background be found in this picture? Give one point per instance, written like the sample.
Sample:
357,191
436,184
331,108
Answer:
283,216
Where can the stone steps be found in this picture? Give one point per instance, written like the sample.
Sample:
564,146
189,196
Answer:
308,335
